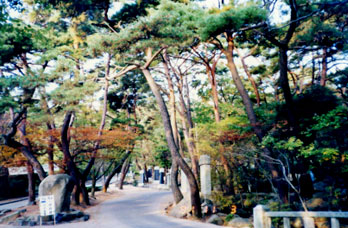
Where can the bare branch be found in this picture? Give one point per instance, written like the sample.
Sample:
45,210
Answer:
149,61
123,72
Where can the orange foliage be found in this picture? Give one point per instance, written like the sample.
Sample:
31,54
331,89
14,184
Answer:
11,157
84,139
233,136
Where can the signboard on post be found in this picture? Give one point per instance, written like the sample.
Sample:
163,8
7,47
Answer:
47,206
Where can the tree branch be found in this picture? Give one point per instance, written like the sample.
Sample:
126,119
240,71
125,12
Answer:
149,61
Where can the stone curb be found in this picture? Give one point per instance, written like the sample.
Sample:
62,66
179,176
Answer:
12,215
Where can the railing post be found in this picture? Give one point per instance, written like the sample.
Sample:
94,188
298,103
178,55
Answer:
335,223
260,219
286,222
308,222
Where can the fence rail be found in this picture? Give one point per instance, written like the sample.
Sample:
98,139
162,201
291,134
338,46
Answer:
262,217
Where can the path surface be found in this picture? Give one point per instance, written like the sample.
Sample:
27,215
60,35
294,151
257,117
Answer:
137,207
14,203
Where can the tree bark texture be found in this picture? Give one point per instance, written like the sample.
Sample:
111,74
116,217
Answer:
124,170
241,89
251,79
324,68
174,183
31,184
72,168
187,124
185,118
195,198
171,98
284,84
19,122
212,80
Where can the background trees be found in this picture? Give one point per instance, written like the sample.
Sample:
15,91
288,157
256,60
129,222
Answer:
83,84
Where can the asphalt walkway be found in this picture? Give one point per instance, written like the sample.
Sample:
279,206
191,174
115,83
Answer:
137,207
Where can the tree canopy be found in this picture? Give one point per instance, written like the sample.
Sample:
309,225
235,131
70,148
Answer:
260,86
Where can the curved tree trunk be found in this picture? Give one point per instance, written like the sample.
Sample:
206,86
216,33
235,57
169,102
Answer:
241,89
212,80
102,123
94,183
251,79
35,163
195,198
284,84
189,141
251,115
124,171
50,126
194,158
174,183
114,171
24,148
187,125
72,168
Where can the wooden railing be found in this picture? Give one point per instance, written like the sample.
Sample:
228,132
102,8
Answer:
262,217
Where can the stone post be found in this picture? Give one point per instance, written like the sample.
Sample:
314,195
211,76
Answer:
308,222
156,174
335,223
205,174
260,219
161,176
142,178
168,179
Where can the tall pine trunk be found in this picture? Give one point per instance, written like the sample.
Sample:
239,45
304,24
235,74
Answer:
324,68
195,198
251,79
284,84
31,184
189,142
187,125
251,115
102,122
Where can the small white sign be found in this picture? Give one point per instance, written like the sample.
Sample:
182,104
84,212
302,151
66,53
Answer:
47,206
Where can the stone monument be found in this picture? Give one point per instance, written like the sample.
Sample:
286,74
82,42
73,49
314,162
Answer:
60,186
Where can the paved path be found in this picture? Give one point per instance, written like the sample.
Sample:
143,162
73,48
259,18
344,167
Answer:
137,207
14,203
